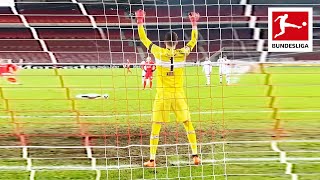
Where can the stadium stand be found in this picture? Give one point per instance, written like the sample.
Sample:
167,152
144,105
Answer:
69,30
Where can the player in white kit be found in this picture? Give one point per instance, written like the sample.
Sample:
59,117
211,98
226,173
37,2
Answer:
238,68
207,69
224,68
143,72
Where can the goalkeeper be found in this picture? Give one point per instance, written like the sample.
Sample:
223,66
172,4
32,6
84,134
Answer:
170,94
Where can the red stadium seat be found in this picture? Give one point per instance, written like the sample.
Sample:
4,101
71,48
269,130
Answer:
68,33
58,19
29,57
5,10
52,8
20,45
260,10
98,9
76,46
8,19
15,33
94,57
111,19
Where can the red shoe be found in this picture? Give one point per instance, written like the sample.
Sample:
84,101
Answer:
196,160
149,164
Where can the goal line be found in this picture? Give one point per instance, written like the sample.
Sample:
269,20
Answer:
135,115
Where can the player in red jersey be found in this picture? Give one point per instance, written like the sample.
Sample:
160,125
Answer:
149,67
8,70
127,66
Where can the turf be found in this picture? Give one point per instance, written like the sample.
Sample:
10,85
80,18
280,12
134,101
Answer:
44,112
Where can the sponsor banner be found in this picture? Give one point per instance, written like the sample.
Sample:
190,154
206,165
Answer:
290,29
74,66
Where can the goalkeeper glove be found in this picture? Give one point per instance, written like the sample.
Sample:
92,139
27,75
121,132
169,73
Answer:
194,17
140,14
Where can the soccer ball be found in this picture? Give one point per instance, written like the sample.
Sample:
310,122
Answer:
92,96
105,96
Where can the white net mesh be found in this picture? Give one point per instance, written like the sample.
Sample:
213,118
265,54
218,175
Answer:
79,113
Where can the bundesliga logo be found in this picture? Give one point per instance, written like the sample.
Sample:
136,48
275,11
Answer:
290,30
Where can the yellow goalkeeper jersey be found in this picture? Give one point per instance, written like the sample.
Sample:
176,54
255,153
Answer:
170,62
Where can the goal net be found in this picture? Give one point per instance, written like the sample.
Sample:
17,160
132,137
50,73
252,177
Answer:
78,109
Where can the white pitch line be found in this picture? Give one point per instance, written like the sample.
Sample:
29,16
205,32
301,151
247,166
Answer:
32,174
68,167
210,161
93,163
25,152
284,160
29,164
98,174
260,160
135,115
276,159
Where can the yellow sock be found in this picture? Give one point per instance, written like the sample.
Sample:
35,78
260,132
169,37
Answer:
191,136
154,140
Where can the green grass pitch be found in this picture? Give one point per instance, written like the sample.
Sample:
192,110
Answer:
44,112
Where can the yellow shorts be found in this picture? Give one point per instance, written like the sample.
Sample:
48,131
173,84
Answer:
167,101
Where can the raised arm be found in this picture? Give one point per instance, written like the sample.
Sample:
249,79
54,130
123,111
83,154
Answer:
140,14
194,17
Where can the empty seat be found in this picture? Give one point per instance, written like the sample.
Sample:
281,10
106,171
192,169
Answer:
29,57
118,49
89,46
247,55
264,33
262,19
98,9
130,33
45,8
76,46
68,33
244,33
213,46
20,45
111,19
15,33
57,19
150,11
239,45
307,56
9,19
212,10
232,10
194,57
260,10
175,11
112,33
97,57
5,10
82,57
